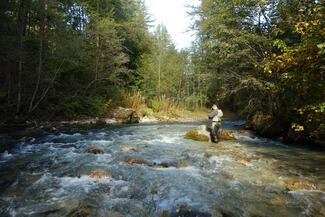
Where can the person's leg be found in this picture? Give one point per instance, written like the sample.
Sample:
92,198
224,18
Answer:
214,132
217,129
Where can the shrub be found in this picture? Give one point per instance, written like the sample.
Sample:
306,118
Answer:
310,121
134,100
163,104
78,107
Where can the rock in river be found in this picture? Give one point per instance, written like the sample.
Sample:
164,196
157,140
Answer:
200,134
126,115
226,135
127,149
94,150
99,174
301,186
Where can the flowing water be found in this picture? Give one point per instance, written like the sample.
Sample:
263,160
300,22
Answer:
151,170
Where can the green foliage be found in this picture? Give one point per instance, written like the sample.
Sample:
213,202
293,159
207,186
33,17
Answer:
134,100
265,57
83,58
78,107
311,120
162,104
86,48
167,72
195,101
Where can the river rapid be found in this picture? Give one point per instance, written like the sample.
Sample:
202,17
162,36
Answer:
152,170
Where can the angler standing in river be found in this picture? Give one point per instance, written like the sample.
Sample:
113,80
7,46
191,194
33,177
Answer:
215,117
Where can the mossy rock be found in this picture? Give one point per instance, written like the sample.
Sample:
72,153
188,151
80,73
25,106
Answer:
226,135
182,163
195,135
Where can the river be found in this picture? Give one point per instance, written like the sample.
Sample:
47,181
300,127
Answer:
152,170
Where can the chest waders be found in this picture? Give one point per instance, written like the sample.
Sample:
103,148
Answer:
215,130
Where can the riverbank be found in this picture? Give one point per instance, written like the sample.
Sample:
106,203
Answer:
123,116
25,130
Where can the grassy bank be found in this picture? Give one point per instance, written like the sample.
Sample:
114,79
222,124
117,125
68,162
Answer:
161,107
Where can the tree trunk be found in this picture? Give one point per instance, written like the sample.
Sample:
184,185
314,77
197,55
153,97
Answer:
21,31
43,95
159,73
97,47
40,57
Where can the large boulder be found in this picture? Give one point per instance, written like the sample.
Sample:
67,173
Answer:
265,124
126,115
199,134
203,134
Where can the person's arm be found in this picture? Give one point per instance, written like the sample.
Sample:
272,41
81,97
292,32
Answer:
220,113
213,114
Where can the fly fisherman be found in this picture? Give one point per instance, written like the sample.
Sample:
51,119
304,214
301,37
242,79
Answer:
215,115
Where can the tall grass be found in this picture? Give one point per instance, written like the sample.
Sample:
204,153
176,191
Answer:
163,104
157,106
134,100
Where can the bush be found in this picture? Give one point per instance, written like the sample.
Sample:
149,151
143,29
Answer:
77,107
163,104
310,121
134,100
194,101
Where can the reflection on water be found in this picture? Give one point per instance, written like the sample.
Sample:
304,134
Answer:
151,170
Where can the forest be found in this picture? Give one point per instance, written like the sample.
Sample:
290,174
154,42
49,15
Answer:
70,59
104,114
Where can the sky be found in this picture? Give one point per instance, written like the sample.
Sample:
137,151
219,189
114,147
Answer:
172,13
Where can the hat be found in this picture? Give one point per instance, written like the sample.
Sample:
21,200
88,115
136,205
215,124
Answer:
214,107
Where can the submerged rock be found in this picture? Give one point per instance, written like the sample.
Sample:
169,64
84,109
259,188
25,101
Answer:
164,214
128,149
244,162
82,212
180,164
114,214
99,174
130,160
25,139
94,150
5,147
185,211
7,179
301,186
294,183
